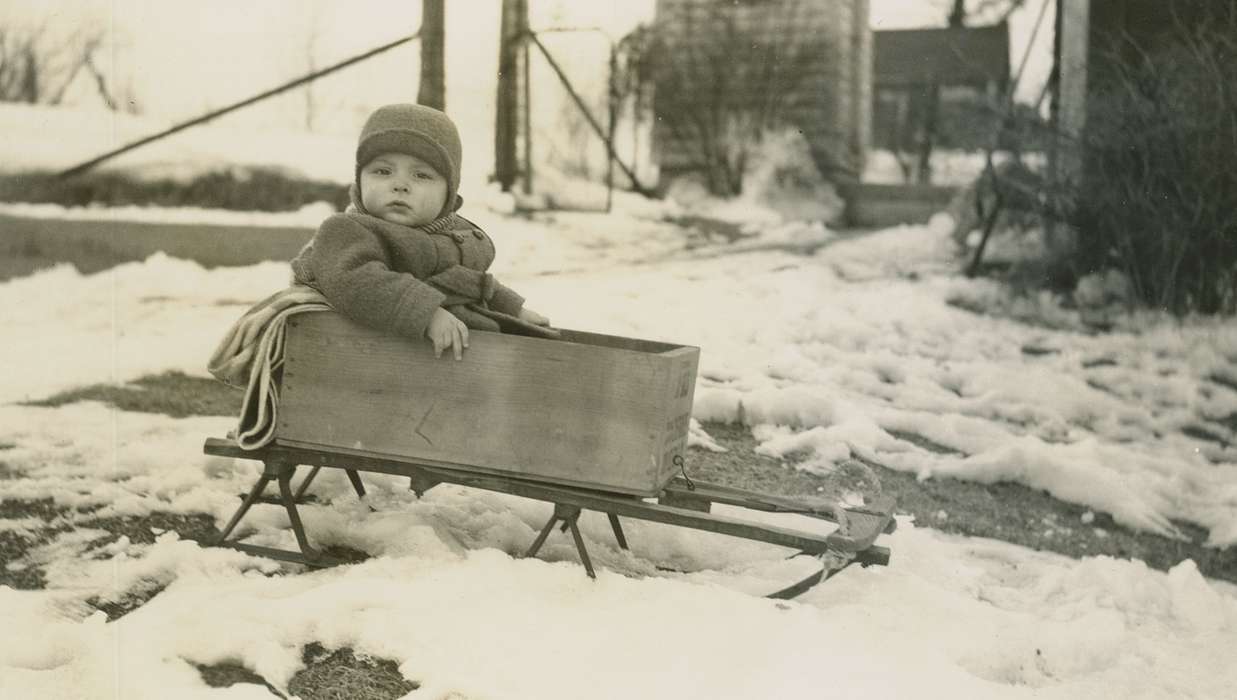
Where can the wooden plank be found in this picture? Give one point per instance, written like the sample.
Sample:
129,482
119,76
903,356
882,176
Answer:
581,411
679,391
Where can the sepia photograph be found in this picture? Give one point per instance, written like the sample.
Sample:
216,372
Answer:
592,350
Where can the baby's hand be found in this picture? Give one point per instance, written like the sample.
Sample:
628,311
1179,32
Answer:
533,317
445,329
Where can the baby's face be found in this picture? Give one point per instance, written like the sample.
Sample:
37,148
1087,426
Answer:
402,189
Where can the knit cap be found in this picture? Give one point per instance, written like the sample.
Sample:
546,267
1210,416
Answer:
418,131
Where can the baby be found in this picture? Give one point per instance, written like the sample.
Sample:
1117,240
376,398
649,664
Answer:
400,259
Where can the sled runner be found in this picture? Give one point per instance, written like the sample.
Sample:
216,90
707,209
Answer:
587,422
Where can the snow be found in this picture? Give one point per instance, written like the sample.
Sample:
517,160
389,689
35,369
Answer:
85,133
308,216
949,167
825,344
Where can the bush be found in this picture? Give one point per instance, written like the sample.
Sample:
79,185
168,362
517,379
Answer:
726,74
1158,199
258,189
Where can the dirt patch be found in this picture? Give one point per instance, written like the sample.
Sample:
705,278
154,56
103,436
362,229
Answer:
230,673
172,393
116,607
15,571
924,443
342,675
1004,511
198,527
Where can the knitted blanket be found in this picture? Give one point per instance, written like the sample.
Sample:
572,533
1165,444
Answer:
250,357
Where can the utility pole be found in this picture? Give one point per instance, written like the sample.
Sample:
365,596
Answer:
432,90
507,117
957,16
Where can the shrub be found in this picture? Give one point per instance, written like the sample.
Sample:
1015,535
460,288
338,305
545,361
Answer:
725,75
257,189
1158,200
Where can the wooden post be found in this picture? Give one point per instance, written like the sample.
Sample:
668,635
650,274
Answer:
506,120
928,135
1071,112
432,90
957,15
526,77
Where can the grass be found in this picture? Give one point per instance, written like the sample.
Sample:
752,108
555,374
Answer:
342,675
338,674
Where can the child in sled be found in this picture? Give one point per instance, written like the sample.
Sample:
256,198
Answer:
400,259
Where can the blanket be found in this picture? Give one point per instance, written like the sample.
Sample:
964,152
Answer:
250,357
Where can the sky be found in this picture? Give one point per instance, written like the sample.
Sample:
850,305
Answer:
205,56
182,58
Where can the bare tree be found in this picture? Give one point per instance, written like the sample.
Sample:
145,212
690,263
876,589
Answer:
721,84
37,65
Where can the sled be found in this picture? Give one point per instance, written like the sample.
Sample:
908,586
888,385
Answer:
586,422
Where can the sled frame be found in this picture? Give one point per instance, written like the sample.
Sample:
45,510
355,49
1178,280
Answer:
682,503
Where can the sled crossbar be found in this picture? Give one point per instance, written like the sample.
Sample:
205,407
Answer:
681,503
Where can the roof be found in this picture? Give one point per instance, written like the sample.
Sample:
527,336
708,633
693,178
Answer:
947,55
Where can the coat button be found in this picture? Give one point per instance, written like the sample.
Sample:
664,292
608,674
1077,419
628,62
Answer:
458,236
478,234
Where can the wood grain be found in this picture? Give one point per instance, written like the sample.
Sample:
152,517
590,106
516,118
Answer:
591,410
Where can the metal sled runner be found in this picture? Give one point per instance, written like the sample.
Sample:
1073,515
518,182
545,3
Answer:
585,422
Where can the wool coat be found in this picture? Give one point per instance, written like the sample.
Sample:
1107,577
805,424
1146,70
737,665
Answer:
392,277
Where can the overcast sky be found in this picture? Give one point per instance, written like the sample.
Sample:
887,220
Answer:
183,57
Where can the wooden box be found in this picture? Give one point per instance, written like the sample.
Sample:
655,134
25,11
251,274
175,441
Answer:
598,411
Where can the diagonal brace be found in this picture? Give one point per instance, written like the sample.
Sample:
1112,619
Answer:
289,503
568,515
353,477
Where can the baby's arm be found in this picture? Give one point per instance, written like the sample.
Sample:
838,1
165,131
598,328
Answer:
348,265
527,314
508,302
505,300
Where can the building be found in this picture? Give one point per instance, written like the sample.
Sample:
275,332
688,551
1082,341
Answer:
731,67
1096,38
938,86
